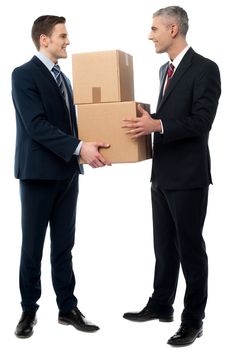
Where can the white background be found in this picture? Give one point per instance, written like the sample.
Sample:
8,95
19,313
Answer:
113,255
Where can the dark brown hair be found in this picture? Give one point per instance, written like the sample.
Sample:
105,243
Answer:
44,25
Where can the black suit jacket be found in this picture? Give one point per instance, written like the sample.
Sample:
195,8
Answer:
181,158
44,141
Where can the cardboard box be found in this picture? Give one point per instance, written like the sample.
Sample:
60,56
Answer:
104,76
103,122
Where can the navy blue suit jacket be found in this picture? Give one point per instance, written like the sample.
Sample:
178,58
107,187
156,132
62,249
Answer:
44,141
181,158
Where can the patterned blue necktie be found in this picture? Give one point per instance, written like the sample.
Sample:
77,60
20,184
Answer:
57,72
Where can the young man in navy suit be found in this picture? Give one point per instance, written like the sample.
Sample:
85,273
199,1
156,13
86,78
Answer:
47,165
187,104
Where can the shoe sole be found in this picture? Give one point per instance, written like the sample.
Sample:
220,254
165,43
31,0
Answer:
160,319
171,319
186,343
24,336
68,323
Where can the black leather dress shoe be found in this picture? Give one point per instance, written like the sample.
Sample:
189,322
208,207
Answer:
26,323
76,319
185,335
146,315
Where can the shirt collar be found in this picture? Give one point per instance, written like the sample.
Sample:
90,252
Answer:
44,59
179,57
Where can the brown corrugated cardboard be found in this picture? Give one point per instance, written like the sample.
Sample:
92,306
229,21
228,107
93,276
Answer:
103,122
103,76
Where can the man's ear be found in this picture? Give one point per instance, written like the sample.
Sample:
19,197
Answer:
44,40
174,30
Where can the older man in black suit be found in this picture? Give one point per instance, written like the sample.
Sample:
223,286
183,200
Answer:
46,162
188,100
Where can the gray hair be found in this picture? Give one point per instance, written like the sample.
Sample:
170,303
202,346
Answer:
177,13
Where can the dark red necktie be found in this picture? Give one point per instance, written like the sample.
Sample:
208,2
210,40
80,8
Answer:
170,72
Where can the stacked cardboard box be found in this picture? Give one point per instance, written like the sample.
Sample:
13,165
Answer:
104,94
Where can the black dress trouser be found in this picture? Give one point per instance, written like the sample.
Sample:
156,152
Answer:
48,202
178,219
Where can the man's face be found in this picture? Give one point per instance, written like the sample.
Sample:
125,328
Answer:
55,44
160,34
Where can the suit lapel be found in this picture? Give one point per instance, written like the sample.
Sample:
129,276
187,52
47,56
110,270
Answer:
180,71
162,78
71,105
44,70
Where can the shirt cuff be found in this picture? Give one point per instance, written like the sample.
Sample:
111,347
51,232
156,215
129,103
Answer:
162,130
78,149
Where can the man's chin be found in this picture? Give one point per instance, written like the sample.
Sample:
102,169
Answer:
63,56
159,51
